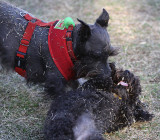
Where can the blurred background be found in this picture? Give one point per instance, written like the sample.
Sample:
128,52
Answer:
134,26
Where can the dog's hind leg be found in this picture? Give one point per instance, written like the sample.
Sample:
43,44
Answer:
85,128
58,126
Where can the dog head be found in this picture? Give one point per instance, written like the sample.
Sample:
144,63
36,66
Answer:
92,47
129,95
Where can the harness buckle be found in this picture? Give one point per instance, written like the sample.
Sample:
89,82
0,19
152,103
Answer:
24,42
69,31
22,14
19,61
33,20
68,39
69,35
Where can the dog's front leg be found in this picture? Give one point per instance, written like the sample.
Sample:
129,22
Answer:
141,114
55,82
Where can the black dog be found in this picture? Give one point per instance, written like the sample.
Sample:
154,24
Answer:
91,46
95,108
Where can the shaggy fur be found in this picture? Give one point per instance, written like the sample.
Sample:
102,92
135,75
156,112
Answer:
96,107
91,45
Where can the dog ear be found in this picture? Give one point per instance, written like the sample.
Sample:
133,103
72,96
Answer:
103,19
85,30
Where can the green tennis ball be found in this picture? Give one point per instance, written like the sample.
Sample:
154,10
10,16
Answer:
68,21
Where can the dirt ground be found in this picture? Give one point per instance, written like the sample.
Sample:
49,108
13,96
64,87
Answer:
134,27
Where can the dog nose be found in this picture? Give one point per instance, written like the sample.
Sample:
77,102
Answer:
126,72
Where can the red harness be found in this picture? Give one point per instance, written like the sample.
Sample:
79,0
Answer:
60,47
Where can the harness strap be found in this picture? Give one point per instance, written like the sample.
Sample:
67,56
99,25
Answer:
39,22
66,64
21,53
69,42
20,62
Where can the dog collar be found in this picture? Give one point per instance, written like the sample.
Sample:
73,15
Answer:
59,41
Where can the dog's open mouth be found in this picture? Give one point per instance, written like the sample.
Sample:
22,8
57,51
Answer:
116,93
122,83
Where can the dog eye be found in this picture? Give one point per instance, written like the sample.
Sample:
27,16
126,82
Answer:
99,56
96,55
105,55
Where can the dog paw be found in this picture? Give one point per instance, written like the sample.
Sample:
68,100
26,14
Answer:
141,114
144,116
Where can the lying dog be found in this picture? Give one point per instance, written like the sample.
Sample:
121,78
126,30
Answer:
95,108
90,44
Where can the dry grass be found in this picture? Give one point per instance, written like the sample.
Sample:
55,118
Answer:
134,27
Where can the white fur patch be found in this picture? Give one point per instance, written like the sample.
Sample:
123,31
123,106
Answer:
82,80
84,127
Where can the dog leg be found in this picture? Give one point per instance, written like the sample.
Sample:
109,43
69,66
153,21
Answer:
85,129
141,114
58,126
54,82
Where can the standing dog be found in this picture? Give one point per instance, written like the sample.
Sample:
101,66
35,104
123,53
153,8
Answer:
95,108
91,47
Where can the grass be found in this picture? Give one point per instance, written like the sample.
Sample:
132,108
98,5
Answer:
20,107
134,27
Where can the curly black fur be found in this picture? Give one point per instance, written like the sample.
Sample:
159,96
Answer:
96,107
91,47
